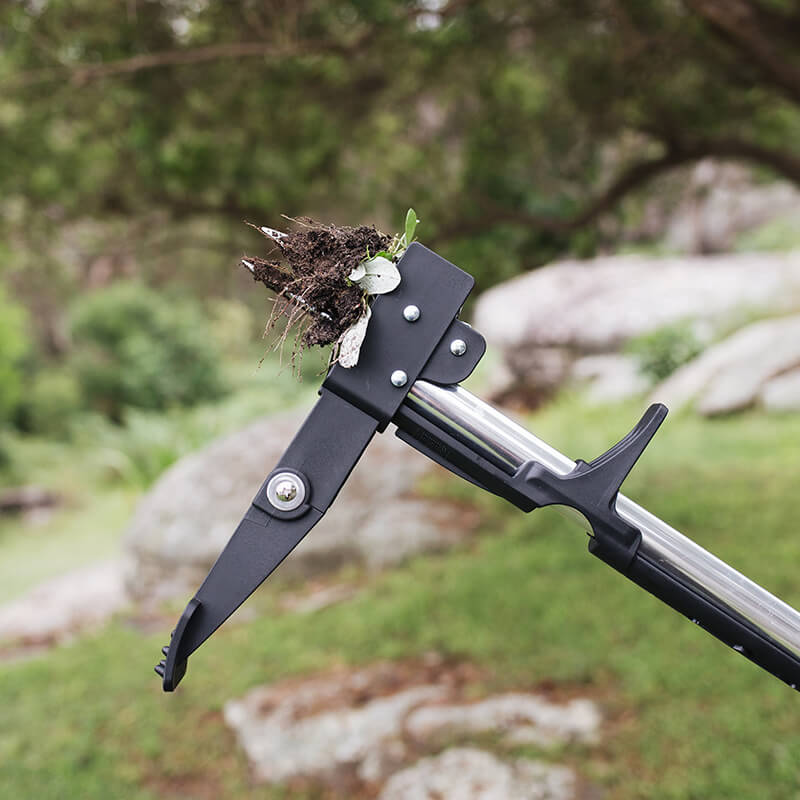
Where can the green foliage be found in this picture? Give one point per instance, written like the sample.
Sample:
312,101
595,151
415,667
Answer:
14,346
233,328
661,352
501,121
136,347
51,400
135,453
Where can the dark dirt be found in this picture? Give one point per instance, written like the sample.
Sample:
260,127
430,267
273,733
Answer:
314,265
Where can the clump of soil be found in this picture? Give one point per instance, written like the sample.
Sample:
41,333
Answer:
310,279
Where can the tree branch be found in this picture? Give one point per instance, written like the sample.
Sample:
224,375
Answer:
81,74
84,73
783,162
739,22
677,154
632,178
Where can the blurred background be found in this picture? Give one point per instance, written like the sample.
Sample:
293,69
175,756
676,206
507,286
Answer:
623,180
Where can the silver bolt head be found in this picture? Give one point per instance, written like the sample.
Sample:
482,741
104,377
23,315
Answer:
411,313
458,347
286,491
399,378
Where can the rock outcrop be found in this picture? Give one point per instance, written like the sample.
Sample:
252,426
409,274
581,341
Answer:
757,364
184,521
374,728
62,608
546,323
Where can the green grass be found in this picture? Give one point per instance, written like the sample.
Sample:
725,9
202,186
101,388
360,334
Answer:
685,717
71,538
777,235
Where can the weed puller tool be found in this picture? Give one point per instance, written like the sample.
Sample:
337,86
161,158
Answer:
414,356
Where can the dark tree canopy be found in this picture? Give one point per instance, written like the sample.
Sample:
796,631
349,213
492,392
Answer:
514,127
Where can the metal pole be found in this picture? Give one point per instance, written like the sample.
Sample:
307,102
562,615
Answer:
508,445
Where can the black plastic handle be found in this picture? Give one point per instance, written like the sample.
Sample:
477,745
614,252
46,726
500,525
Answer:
724,623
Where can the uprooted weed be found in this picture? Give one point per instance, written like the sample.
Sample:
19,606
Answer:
314,296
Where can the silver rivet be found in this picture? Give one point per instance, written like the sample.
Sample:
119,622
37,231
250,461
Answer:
458,347
411,313
399,378
286,491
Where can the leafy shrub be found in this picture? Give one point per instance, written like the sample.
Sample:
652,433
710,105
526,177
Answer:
135,347
661,352
14,346
51,400
233,328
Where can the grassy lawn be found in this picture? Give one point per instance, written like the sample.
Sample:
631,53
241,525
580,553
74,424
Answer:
685,717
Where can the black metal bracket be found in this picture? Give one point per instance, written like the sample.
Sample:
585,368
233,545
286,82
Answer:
418,348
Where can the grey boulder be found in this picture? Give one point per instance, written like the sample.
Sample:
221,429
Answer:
752,365
184,521
546,321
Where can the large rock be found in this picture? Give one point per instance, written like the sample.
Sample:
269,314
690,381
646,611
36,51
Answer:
545,321
721,201
313,732
63,607
362,727
467,773
782,393
733,374
184,521
524,719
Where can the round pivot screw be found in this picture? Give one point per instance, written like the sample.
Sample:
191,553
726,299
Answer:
286,491
411,313
399,378
458,347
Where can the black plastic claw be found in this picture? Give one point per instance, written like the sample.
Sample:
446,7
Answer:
592,489
173,667
159,669
165,649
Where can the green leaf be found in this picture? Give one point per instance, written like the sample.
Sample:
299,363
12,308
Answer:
411,225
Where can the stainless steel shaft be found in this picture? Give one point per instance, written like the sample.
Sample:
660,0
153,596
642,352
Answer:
507,445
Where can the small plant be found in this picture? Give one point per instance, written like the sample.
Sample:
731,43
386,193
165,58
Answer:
325,280
661,352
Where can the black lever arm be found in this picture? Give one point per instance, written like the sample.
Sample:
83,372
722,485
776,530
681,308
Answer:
322,455
354,404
